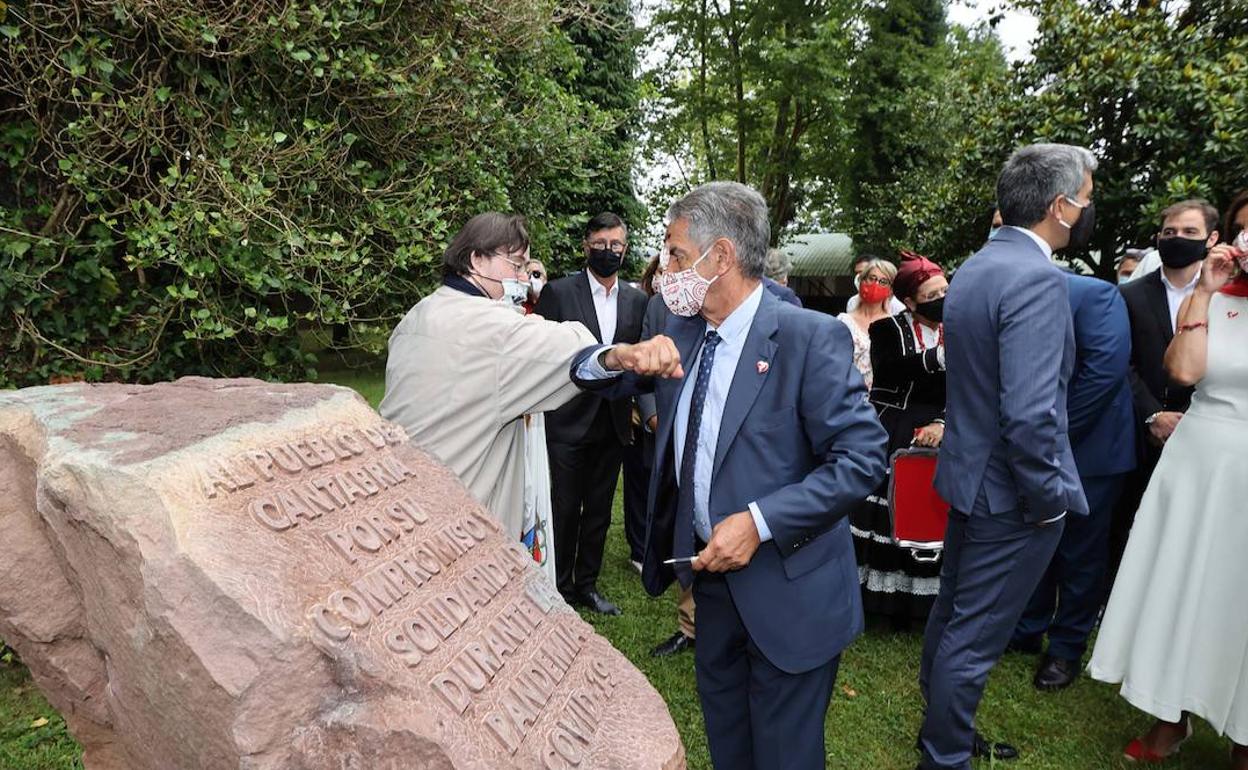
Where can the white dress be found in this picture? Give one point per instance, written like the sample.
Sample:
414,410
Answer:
1175,633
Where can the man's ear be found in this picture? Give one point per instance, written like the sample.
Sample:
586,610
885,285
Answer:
727,251
1213,239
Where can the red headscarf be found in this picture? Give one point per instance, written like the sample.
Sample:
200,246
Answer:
914,271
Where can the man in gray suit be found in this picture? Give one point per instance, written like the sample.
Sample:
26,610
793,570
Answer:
1005,465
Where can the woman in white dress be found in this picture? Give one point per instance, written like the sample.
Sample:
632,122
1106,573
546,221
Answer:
1175,633
875,292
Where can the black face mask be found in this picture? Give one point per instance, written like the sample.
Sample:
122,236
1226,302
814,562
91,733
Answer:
1178,253
933,310
1081,230
605,262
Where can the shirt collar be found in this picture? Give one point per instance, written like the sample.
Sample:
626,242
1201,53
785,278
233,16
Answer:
1191,284
460,283
596,287
739,321
1042,243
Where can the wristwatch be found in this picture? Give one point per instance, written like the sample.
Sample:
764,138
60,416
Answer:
1152,418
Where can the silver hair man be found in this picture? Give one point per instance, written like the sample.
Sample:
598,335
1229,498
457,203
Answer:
728,210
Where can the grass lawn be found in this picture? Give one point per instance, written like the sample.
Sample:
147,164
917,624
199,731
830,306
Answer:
874,717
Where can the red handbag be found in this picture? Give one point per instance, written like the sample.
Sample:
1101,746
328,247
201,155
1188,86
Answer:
918,513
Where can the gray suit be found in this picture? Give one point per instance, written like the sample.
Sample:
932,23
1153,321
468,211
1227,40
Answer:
1006,468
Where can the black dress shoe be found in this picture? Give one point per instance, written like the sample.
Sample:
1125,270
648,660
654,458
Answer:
980,747
677,642
596,602
1055,674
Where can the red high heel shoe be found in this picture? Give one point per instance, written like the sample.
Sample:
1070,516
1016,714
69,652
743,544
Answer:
1137,751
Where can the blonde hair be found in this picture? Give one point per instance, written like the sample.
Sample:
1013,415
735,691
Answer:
886,268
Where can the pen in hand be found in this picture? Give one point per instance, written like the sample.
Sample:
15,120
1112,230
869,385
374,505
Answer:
681,559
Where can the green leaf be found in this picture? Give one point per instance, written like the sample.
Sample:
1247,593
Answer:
279,137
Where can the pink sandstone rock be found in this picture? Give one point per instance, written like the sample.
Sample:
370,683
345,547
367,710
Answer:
236,574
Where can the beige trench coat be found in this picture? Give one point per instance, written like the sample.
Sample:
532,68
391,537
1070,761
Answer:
461,374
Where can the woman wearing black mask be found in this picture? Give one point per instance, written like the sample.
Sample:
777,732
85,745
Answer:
908,392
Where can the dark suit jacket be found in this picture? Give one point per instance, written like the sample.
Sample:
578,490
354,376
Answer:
799,438
1099,404
569,299
1009,356
782,292
1149,312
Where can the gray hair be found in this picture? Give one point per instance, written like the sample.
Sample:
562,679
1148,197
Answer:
778,265
728,210
1035,175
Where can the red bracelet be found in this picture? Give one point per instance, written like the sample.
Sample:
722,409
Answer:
1192,327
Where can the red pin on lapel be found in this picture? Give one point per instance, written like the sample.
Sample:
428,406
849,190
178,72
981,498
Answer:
762,367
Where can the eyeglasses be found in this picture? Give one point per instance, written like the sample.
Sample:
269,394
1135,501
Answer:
518,267
537,274
615,246
877,280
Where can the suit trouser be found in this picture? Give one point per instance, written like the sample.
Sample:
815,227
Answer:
636,489
1124,513
757,716
685,609
1068,599
991,568
583,478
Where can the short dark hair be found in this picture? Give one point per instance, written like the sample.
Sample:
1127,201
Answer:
858,260
1037,174
604,221
484,234
1193,204
1229,230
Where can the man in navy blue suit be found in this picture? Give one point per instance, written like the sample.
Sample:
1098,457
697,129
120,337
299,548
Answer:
1005,465
1102,436
762,448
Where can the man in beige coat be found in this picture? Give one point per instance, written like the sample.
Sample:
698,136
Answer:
465,364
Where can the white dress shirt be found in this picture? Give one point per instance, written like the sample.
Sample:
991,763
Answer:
1176,294
1042,243
606,306
733,333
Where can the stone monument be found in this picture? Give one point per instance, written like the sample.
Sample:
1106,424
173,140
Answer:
237,574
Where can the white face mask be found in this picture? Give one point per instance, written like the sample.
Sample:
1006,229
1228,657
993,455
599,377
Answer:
515,292
1241,243
684,292
536,285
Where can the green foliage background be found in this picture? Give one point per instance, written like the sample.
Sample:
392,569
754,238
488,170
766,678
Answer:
185,185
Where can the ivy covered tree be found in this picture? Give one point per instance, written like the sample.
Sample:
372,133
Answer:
187,187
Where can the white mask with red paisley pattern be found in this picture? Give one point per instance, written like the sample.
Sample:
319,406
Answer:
685,291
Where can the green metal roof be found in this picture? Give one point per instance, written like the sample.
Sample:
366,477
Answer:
820,255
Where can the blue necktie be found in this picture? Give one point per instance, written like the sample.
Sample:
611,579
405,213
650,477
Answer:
683,541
